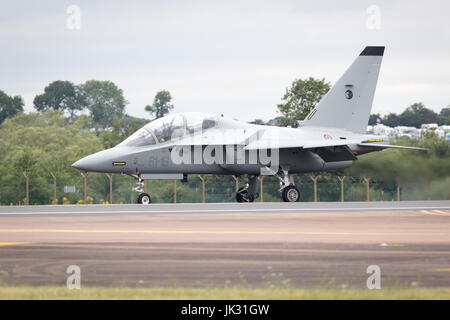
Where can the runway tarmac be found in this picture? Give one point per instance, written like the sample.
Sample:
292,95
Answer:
258,244
258,207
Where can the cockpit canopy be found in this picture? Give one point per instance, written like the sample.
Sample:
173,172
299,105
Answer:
171,127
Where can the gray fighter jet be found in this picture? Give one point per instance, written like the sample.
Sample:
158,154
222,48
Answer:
329,138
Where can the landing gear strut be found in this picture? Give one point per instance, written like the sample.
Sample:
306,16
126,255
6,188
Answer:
243,196
289,192
248,193
143,198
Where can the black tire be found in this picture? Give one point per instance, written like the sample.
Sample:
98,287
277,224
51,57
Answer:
243,196
144,198
291,194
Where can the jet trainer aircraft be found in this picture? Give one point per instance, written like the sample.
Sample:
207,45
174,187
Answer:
329,138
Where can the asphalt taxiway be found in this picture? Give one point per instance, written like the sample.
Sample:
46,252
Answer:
258,244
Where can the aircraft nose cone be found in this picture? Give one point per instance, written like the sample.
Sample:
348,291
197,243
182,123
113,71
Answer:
98,162
85,164
77,165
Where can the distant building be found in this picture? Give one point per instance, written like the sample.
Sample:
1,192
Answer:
410,132
429,126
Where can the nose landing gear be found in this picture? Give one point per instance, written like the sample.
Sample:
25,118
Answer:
143,198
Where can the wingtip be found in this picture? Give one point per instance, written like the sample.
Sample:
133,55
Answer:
372,51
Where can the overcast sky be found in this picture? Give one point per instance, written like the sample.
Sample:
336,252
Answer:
225,57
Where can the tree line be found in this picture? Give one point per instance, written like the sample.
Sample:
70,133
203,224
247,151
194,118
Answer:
414,116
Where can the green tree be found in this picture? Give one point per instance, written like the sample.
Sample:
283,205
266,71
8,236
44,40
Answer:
300,98
112,137
130,125
25,161
392,120
104,100
424,170
373,119
445,115
59,95
161,104
417,114
37,144
9,106
121,129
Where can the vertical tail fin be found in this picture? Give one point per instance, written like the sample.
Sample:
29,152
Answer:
348,103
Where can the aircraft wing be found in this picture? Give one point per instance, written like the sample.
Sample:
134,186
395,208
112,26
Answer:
385,146
216,137
291,143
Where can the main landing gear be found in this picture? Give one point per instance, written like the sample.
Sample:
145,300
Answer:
143,198
289,192
248,193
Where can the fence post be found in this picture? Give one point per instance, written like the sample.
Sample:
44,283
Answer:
398,189
132,195
236,184
203,179
261,188
367,188
55,201
314,179
27,189
174,191
84,175
341,179
85,187
110,176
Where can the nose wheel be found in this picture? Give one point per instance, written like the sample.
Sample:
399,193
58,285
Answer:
144,198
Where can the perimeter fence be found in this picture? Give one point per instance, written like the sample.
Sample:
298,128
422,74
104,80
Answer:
115,188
